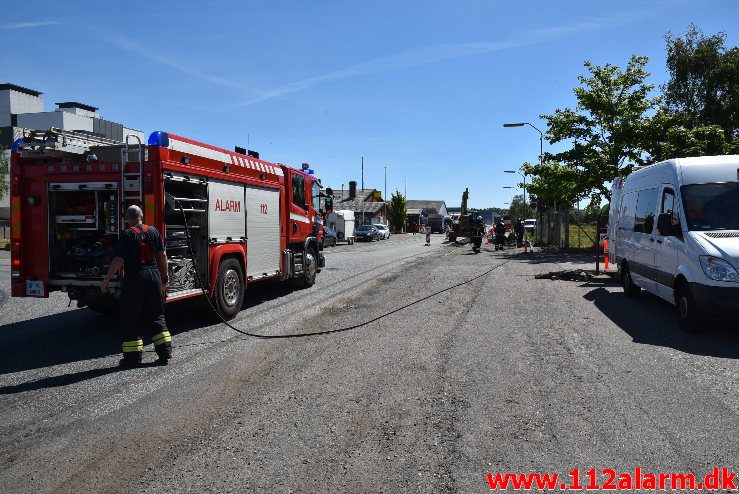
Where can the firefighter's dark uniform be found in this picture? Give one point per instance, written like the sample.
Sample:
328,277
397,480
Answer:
518,229
499,235
142,306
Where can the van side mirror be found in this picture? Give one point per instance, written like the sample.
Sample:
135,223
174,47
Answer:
665,226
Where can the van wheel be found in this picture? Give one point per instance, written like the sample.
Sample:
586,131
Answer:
229,288
687,312
630,289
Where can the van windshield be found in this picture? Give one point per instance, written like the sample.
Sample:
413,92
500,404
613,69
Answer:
711,206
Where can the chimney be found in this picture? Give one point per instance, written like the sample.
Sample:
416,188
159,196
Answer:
352,189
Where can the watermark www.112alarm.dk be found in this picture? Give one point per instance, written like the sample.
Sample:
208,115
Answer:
607,479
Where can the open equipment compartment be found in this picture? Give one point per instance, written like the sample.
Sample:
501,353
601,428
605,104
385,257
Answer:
83,229
186,195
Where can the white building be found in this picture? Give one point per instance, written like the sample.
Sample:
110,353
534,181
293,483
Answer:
22,108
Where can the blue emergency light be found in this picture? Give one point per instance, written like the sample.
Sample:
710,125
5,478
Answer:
158,138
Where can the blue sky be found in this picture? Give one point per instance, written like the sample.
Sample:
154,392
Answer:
419,87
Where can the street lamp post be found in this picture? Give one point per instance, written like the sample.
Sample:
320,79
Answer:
541,152
541,136
524,185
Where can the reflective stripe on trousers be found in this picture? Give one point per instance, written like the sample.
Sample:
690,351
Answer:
161,338
133,346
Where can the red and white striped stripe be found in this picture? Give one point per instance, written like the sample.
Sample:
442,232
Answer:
194,149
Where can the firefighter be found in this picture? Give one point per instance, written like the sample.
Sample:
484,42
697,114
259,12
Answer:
518,230
478,232
140,251
499,235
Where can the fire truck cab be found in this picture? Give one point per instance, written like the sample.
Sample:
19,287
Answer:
228,218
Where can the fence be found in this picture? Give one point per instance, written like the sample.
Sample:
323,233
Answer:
562,229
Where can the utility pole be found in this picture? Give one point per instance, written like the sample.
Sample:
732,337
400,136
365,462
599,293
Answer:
362,172
405,188
385,198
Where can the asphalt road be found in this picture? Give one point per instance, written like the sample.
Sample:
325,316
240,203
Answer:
501,373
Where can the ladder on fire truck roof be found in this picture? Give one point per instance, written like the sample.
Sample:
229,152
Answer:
60,142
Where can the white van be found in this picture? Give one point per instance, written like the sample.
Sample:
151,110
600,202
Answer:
343,223
673,230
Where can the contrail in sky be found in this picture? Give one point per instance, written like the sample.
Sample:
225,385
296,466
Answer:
390,63
28,25
438,53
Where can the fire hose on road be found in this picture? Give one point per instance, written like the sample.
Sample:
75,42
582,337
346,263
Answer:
328,331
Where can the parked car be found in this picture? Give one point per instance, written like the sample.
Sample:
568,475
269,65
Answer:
384,230
329,236
367,232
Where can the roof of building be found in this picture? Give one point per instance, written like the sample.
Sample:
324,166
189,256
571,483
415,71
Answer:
364,201
428,207
75,104
20,89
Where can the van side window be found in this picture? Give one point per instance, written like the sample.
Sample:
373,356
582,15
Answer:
628,210
298,191
668,206
646,205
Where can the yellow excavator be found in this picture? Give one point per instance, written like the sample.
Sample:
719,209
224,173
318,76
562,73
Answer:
467,226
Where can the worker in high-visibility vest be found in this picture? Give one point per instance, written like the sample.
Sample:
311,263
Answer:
140,251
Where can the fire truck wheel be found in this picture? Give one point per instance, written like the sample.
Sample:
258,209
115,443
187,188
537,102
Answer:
229,288
308,278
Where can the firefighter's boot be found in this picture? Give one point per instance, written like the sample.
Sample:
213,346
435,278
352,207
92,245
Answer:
133,351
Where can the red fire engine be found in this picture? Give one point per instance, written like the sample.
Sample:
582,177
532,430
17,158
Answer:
248,219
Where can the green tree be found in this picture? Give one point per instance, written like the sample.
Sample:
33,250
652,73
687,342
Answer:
554,185
704,80
518,208
398,211
671,136
606,128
